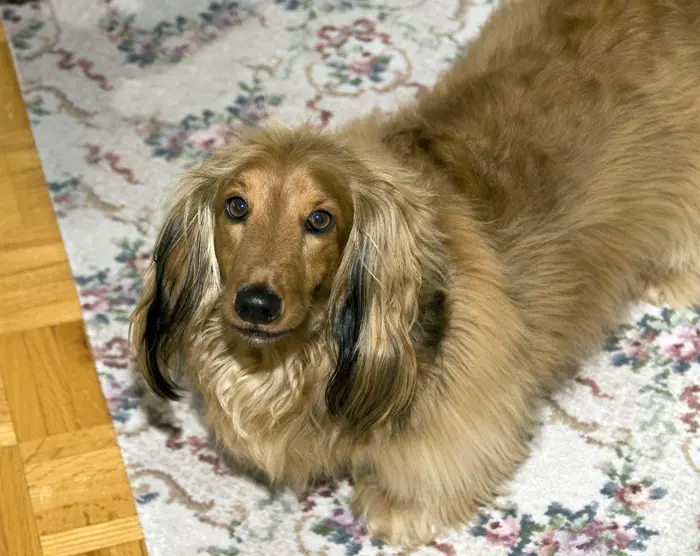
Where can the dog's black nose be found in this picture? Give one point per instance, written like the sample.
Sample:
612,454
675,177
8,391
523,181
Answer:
257,304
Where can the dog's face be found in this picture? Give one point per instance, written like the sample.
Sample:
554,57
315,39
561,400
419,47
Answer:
279,234
292,234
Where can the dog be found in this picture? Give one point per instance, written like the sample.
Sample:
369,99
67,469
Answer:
396,297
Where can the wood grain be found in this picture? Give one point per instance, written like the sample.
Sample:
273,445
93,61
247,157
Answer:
79,490
68,444
7,431
63,487
51,370
135,548
13,116
18,534
36,286
92,537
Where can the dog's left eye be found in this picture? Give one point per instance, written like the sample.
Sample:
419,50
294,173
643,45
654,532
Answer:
319,222
236,208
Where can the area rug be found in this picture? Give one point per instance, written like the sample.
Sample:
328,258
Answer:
125,94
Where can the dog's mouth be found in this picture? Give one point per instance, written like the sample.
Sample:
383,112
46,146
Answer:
259,336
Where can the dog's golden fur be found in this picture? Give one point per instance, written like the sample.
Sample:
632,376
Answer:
484,240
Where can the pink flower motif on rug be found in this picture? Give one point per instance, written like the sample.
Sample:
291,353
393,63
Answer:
681,343
504,532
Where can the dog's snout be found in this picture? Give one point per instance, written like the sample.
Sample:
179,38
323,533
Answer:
257,304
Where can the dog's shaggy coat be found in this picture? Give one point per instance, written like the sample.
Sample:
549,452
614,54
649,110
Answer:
482,242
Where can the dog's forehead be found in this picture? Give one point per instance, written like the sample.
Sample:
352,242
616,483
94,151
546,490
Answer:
299,179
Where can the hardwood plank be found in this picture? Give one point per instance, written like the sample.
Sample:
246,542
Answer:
92,537
22,264
11,141
22,160
10,218
46,479
33,198
43,305
7,430
18,533
80,490
76,479
67,444
50,381
13,116
136,548
36,286
27,214
21,388
38,220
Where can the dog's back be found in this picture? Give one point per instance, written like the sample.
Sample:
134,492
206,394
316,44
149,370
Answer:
573,129
552,88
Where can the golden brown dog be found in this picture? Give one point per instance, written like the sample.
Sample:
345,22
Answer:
395,297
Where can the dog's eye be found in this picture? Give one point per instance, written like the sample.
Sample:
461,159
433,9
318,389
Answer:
319,222
236,208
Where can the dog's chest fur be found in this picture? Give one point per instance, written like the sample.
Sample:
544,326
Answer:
270,412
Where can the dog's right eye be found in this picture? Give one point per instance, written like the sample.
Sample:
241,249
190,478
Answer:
236,208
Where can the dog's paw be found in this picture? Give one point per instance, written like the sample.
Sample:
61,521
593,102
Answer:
657,297
394,523
678,291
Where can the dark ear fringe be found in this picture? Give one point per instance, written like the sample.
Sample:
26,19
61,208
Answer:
174,291
375,374
394,260
159,317
346,330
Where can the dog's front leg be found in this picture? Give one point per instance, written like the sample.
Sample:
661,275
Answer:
411,489
394,521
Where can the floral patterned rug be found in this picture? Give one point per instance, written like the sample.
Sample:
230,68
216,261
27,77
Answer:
125,94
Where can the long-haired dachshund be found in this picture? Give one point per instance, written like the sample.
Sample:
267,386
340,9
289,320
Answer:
394,298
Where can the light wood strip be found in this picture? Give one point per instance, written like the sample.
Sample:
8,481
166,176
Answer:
30,209
10,218
136,548
13,116
7,431
22,160
93,537
43,305
18,533
76,479
7,434
67,444
28,266
79,490
50,381
36,286
11,141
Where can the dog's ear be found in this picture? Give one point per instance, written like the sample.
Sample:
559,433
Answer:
181,282
393,255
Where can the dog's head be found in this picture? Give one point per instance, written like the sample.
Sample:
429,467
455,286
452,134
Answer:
291,238
280,225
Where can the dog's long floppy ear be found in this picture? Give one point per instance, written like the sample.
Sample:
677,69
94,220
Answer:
182,281
394,255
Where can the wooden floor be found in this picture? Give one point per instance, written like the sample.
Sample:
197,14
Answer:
63,488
